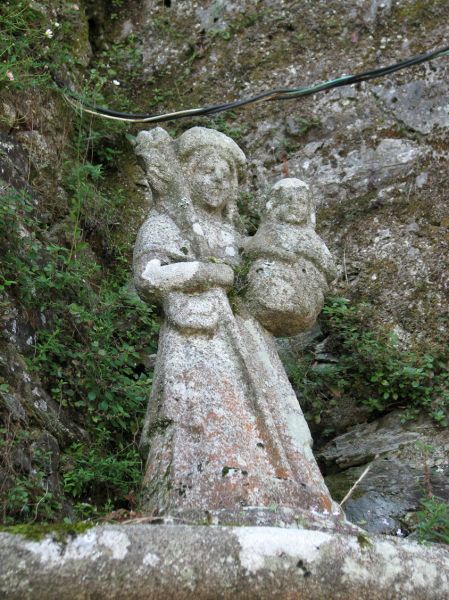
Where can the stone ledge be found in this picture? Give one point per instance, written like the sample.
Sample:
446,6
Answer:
185,562
262,516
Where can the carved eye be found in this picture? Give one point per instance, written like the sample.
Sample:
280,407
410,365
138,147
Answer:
184,250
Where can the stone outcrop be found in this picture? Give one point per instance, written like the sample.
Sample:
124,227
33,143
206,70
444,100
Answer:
407,462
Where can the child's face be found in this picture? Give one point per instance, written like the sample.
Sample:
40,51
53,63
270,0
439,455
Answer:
290,205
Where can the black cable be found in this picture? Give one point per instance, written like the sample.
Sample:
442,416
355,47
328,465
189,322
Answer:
276,94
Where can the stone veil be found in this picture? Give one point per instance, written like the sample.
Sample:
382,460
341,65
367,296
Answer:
224,434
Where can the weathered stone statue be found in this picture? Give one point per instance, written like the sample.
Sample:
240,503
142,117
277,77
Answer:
292,266
224,434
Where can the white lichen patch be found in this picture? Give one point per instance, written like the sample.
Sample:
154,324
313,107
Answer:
386,564
261,543
85,546
175,273
354,570
424,574
82,547
6,146
198,229
116,541
47,551
41,405
151,560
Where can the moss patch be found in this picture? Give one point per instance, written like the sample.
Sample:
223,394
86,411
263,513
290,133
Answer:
59,531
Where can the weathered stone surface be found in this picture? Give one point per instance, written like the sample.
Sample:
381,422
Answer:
14,166
26,407
360,170
185,562
407,462
420,105
224,429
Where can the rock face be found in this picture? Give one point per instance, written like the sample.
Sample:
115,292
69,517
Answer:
223,428
376,154
36,429
407,462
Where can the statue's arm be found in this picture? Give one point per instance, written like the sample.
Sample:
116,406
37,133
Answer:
157,280
317,251
259,246
164,262
267,243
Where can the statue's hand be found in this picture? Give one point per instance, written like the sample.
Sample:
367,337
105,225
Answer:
218,274
157,280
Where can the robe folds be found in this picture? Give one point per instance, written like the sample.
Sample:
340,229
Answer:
224,428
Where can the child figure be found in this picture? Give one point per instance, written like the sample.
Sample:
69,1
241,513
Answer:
291,266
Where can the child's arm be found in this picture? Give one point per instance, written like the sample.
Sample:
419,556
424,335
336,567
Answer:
265,244
310,246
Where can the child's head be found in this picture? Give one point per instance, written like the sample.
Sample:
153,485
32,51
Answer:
290,201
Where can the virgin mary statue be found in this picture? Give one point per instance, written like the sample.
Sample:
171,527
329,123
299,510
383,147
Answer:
224,433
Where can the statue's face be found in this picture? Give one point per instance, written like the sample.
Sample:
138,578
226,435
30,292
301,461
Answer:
213,181
291,207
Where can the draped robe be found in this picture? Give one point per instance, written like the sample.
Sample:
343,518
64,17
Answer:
224,428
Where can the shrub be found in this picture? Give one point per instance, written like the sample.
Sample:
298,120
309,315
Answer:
371,368
433,521
92,334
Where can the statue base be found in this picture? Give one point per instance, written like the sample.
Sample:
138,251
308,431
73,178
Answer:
261,516
182,562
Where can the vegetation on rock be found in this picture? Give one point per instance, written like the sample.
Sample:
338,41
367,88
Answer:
65,266
371,367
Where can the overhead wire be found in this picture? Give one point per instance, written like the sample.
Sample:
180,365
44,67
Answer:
271,95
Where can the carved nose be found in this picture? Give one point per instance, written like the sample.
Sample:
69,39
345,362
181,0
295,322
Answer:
218,172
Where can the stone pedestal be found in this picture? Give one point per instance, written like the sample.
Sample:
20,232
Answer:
180,562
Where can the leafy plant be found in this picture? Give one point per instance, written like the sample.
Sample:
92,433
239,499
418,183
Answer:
91,339
25,496
106,481
249,216
66,266
224,124
371,368
33,45
433,521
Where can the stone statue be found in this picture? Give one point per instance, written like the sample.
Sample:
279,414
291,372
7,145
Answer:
224,436
292,266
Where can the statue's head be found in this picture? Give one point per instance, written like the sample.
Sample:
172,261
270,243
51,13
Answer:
290,201
213,165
